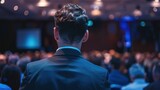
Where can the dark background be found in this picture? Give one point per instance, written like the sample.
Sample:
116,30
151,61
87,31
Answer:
104,34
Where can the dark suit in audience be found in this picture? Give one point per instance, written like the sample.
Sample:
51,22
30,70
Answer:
116,78
11,76
153,86
156,76
137,75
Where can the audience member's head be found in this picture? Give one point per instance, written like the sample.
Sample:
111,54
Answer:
136,71
156,72
36,56
96,57
12,59
11,76
70,24
2,62
130,61
3,58
115,63
85,55
139,58
107,58
148,56
158,55
22,63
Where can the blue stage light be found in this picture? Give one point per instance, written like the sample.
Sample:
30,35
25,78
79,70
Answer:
125,27
28,39
90,23
128,18
143,24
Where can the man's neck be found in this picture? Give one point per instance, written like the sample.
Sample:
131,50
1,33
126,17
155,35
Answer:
78,46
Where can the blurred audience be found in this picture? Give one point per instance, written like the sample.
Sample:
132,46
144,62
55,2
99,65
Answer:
105,63
137,75
11,76
96,57
22,63
126,70
12,59
139,58
2,62
116,78
156,76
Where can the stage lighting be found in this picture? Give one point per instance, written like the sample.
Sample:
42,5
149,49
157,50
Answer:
155,3
2,1
26,12
96,12
29,39
90,23
43,3
15,8
143,24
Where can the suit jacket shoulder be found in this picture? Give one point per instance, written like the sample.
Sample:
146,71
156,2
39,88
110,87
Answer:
64,71
36,66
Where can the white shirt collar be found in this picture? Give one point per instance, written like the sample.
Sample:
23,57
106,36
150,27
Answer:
68,47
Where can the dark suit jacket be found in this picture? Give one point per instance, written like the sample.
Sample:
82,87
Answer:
116,77
66,70
153,86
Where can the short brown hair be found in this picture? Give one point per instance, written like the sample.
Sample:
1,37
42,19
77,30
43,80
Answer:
71,21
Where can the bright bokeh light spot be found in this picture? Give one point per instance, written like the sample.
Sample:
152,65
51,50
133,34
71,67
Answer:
155,9
96,12
52,12
128,18
2,57
137,13
26,12
90,23
155,3
143,24
2,1
98,3
15,8
128,44
43,3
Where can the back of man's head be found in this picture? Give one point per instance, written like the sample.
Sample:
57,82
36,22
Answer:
137,71
116,63
22,63
71,21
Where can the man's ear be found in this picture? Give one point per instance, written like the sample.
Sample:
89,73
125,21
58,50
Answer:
86,36
56,33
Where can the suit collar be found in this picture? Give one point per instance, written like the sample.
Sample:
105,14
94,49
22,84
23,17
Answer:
68,47
67,52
